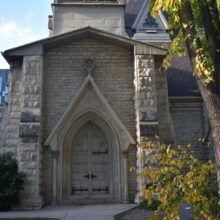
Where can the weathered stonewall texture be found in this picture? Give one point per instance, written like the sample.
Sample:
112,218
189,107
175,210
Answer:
30,148
191,124
146,107
114,76
10,123
4,120
1,112
165,127
147,100
64,69
20,127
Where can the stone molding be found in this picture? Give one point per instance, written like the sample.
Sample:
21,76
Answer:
108,111
89,104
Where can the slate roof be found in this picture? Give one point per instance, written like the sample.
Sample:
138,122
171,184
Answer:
131,11
180,79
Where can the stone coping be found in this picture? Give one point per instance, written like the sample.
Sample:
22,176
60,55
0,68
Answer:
136,213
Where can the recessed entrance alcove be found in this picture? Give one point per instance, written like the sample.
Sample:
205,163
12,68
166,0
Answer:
89,149
91,159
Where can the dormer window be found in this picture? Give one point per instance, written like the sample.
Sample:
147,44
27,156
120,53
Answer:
150,22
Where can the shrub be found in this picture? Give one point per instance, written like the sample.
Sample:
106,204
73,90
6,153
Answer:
151,207
10,182
174,176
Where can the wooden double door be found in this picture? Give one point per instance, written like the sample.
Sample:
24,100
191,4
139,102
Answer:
90,161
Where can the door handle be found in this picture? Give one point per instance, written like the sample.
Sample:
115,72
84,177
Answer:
93,176
87,176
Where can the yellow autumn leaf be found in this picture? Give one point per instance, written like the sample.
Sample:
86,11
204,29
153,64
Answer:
188,145
184,25
132,169
156,136
179,147
196,69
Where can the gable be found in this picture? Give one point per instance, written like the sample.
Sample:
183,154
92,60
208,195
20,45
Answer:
89,99
37,47
145,22
64,74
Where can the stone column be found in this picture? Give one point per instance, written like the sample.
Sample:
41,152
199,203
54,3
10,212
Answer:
146,107
166,130
30,132
55,155
125,176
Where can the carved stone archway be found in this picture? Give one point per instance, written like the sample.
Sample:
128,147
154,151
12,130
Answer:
115,193
89,105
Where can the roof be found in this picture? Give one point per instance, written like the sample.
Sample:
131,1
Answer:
131,11
181,81
37,47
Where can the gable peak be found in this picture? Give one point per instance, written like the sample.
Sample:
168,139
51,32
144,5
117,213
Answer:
146,23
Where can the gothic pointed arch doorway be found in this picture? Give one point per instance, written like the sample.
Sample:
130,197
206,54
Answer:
89,105
91,162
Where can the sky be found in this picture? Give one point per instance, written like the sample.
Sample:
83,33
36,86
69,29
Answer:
21,22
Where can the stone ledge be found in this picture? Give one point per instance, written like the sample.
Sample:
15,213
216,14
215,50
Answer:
137,214
29,117
29,130
149,129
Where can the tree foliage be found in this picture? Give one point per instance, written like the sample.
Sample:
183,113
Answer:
204,61
10,182
195,25
173,175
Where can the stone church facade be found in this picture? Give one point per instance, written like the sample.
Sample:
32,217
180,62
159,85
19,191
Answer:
80,100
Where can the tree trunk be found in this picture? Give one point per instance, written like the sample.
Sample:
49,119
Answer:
212,38
208,91
211,100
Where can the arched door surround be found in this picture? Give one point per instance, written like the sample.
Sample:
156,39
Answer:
89,105
106,186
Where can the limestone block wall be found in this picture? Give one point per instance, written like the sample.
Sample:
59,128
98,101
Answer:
1,112
3,124
132,178
10,123
29,151
146,108
64,74
20,130
2,141
152,106
190,124
72,17
146,80
146,97
47,164
166,128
